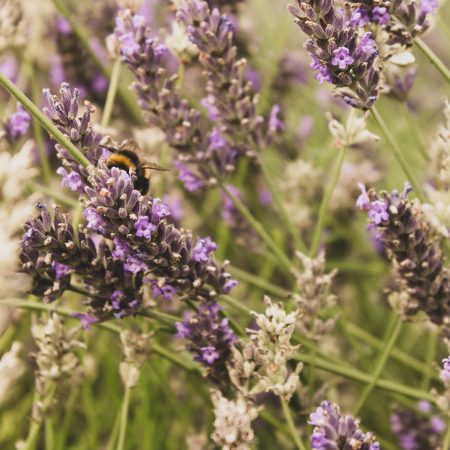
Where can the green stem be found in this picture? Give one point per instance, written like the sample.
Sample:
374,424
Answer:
156,348
396,354
124,418
115,431
391,339
49,434
290,422
414,128
127,100
281,256
37,131
429,358
54,194
446,441
362,377
434,59
398,154
324,205
36,424
258,281
112,90
46,123
287,218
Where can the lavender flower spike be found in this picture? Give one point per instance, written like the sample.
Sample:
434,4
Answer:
230,94
210,339
410,243
339,53
332,431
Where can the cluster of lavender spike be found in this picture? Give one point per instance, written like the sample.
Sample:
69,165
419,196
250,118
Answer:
203,156
128,233
340,54
163,107
332,431
409,241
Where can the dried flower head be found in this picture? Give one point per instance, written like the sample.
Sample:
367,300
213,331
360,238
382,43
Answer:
232,424
314,296
55,359
136,350
353,133
262,365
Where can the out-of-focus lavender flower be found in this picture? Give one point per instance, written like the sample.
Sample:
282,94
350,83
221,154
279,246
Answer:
417,431
339,54
210,339
232,95
409,242
292,70
17,124
76,65
334,431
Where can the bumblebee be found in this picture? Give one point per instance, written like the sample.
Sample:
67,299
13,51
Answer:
127,157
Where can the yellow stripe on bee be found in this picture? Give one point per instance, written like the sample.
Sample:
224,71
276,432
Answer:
117,158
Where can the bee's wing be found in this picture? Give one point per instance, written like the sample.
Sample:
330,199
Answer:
153,166
129,144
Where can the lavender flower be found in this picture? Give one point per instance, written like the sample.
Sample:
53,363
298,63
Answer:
210,339
17,124
332,431
339,54
417,431
229,92
409,242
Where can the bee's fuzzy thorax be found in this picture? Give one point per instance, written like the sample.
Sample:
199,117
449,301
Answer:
121,161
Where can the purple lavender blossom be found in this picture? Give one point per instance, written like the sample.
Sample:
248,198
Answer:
191,181
342,58
332,431
380,15
429,6
71,180
203,249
